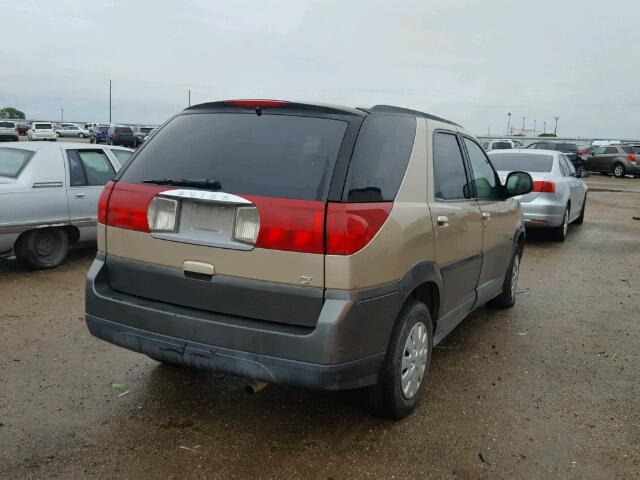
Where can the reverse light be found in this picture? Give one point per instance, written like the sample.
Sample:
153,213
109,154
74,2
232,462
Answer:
247,225
544,186
162,214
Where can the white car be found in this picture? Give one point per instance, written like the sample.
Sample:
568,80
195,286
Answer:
72,131
42,131
505,144
8,131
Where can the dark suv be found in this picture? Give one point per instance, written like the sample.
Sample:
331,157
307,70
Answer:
119,135
569,149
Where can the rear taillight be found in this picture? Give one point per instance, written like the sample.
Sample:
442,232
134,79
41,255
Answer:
103,202
631,157
544,186
292,225
129,204
257,103
351,226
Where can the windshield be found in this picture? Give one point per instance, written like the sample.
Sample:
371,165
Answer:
272,155
501,146
509,162
13,160
566,147
146,129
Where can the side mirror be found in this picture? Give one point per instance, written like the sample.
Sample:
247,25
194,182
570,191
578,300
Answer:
518,183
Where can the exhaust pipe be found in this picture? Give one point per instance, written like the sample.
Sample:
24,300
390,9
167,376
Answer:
255,387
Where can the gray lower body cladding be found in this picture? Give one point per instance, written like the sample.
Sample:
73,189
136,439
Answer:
344,349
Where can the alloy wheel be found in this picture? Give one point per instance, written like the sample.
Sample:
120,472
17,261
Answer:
414,360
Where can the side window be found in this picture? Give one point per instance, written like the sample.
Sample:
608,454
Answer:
89,167
563,166
449,177
121,155
598,151
570,167
380,158
610,150
485,179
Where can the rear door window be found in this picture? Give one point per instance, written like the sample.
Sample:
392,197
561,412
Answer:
271,155
13,161
89,168
380,158
610,150
450,178
121,155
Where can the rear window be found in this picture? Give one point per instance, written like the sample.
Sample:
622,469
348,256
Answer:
7,124
502,146
272,155
509,162
43,126
123,130
380,158
13,160
103,129
566,147
146,129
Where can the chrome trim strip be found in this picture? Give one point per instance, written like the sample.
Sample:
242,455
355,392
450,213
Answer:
206,196
47,184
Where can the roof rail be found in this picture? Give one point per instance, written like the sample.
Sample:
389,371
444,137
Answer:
408,111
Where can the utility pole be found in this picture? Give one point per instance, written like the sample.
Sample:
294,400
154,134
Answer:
489,131
545,128
555,130
61,114
109,101
523,120
534,128
189,97
508,122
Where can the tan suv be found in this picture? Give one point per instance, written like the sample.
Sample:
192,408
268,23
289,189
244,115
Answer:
310,245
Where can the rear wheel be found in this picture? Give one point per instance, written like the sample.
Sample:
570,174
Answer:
42,248
560,233
618,170
580,219
507,298
404,372
81,135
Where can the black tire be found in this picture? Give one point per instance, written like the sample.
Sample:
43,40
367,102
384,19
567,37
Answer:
57,134
560,233
42,248
580,219
81,135
386,398
619,171
507,297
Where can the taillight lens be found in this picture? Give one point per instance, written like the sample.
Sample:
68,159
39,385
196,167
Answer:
544,186
129,205
247,225
292,225
103,202
631,157
351,226
162,214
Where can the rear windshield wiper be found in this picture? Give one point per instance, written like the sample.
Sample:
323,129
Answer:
207,183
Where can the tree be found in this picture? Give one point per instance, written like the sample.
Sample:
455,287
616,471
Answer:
10,112
547,135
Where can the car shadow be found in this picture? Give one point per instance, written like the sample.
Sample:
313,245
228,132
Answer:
9,264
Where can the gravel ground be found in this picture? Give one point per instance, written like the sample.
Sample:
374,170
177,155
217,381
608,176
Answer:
548,389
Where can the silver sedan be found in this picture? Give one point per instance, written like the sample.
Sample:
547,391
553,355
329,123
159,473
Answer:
559,195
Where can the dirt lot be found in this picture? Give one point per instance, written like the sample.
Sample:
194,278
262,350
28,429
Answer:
548,389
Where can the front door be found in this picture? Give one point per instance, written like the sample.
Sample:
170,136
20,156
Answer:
498,221
89,170
458,231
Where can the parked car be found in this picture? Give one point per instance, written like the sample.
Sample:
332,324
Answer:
620,160
22,128
99,134
309,245
569,149
42,131
559,195
140,134
72,131
8,131
50,196
498,144
583,153
121,135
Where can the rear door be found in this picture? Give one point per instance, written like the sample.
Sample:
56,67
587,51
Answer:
220,165
89,169
458,226
498,220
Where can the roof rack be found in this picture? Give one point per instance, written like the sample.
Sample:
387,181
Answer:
408,111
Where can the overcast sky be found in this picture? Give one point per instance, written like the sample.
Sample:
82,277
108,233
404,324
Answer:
468,60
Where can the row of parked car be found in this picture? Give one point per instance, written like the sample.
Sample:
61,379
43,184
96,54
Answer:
125,135
619,159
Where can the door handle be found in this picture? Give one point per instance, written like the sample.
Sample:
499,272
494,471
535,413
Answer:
80,195
486,216
443,221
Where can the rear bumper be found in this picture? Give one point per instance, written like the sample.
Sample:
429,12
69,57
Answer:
538,214
344,350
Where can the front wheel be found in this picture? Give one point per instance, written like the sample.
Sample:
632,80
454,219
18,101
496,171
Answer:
507,297
42,248
619,170
405,369
81,135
